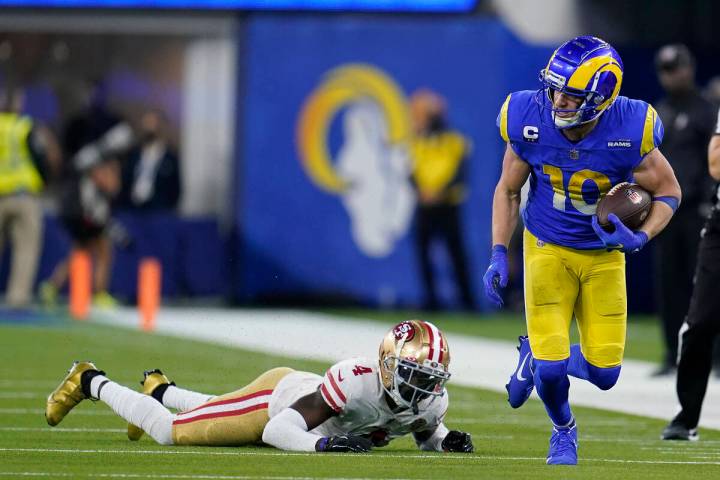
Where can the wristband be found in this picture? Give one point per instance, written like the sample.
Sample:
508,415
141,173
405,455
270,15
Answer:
671,202
499,248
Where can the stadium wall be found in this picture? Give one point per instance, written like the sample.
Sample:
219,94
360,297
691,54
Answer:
297,236
305,235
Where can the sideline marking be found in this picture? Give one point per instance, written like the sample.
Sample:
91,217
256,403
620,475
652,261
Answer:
371,456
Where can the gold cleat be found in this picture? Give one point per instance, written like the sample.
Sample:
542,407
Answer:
152,379
48,294
105,301
68,394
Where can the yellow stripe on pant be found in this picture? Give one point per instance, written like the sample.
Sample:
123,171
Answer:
234,419
590,284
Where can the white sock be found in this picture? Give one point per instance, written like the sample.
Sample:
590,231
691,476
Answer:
136,408
184,400
570,424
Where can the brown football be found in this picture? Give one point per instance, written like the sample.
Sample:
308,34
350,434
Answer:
629,201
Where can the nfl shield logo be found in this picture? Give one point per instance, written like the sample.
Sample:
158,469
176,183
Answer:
633,196
574,154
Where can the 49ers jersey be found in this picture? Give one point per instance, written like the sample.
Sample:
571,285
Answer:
352,388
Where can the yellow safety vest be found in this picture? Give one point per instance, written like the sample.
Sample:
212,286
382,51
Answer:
437,159
17,169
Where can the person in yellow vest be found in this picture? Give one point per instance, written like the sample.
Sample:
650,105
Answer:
439,156
29,153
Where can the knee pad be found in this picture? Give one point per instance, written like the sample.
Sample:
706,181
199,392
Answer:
549,347
549,371
603,378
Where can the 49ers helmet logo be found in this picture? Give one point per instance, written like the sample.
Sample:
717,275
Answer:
404,329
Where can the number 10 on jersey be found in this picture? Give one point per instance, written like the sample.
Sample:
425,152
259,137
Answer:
575,186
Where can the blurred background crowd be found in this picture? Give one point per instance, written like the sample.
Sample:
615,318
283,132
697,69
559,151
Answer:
330,153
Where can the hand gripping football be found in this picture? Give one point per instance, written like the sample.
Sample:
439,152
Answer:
629,201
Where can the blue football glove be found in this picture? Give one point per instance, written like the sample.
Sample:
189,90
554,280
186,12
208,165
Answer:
622,238
496,276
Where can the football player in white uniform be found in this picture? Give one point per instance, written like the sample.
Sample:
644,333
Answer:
358,404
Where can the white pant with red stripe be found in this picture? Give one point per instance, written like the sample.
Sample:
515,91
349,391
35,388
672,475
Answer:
236,418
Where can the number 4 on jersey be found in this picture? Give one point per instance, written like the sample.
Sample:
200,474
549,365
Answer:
359,370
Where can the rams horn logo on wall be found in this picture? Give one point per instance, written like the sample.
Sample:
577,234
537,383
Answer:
342,86
372,168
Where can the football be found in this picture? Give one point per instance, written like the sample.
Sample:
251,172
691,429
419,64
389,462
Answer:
629,201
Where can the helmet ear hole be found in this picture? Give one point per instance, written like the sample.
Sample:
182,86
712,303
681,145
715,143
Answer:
389,363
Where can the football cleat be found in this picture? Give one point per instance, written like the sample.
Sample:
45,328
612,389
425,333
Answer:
68,394
521,382
563,446
48,294
676,431
151,380
104,300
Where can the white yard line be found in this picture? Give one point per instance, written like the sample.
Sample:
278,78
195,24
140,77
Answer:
370,457
179,476
18,395
61,429
476,362
28,383
40,411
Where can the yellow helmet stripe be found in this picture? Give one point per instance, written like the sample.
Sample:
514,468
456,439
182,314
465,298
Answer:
585,71
503,119
648,138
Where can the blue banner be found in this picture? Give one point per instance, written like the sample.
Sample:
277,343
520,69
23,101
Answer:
325,204
333,5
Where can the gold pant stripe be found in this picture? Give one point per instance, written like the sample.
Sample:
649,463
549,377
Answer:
590,284
236,418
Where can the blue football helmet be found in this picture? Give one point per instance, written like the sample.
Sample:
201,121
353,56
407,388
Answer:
585,67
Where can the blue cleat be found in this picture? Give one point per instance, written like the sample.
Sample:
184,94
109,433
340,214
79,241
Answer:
563,446
521,382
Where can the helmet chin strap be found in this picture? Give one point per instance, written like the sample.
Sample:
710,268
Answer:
394,394
561,122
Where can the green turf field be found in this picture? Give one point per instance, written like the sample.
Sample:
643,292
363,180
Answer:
91,443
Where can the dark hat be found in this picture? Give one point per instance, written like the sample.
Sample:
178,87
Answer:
671,57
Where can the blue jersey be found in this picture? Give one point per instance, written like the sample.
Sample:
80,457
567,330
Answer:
568,178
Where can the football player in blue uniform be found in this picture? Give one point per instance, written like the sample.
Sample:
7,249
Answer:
575,139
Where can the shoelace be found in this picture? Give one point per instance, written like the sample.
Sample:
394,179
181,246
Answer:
562,442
